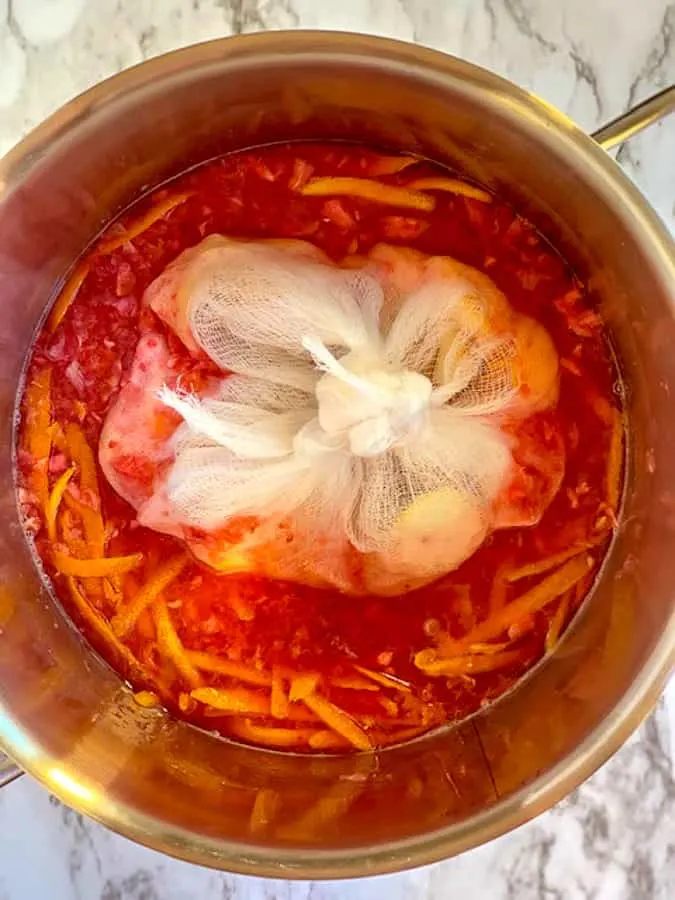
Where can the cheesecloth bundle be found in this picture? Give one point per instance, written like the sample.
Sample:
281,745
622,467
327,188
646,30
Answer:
359,440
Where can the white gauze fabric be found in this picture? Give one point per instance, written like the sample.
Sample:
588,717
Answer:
360,417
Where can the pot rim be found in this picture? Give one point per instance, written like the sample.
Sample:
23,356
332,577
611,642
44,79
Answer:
638,700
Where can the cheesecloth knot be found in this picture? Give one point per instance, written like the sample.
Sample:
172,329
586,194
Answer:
366,404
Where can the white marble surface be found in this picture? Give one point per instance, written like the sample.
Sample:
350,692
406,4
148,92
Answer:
614,839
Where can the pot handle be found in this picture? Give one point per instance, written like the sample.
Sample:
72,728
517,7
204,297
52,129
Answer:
641,116
8,771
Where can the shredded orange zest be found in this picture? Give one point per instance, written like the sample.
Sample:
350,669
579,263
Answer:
54,502
207,662
391,165
559,582
265,807
303,685
296,713
233,700
95,568
338,720
539,566
331,806
98,624
146,699
467,665
134,229
389,681
299,713
557,622
465,609
38,432
171,645
279,698
81,454
451,186
125,620
484,648
385,738
353,683
67,296
615,461
368,189
270,736
327,740
498,591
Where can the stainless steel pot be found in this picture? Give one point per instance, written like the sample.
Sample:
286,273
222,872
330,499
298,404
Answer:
66,718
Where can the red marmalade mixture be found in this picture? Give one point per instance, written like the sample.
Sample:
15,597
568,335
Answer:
280,664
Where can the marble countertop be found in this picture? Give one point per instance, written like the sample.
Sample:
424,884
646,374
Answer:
614,838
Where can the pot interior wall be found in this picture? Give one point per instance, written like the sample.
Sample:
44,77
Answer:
65,714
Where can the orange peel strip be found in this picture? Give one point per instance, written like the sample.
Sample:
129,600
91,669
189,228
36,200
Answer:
95,568
368,189
498,590
270,736
125,620
303,685
540,566
559,582
82,455
296,713
54,502
451,186
557,623
299,713
487,649
99,625
208,662
38,431
391,165
279,697
265,808
328,810
383,738
67,296
233,700
172,646
137,227
615,461
381,678
324,739
353,683
338,720
467,665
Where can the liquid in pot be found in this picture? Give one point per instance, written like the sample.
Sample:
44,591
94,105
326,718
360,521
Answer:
279,663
